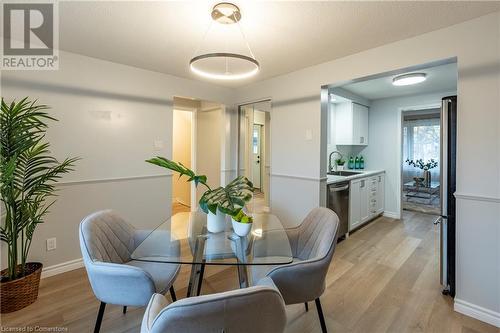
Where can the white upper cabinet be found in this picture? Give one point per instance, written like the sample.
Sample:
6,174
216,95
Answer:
351,124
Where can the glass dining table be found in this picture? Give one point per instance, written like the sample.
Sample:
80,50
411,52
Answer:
184,239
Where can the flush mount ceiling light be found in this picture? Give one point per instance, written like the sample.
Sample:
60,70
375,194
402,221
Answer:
409,79
225,65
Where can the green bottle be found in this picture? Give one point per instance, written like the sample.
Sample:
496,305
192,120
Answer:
356,163
361,162
351,163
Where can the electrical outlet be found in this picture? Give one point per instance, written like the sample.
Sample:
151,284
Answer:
51,244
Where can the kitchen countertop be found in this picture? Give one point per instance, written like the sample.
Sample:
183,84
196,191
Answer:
362,174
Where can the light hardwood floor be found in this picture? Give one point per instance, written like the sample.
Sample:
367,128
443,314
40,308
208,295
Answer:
384,278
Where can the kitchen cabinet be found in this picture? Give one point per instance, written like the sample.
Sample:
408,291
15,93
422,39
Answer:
351,124
366,199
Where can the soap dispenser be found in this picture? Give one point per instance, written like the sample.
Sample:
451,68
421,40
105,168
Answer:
350,165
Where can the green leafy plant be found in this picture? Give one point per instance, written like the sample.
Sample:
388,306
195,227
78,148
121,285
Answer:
430,164
242,217
229,199
28,177
340,161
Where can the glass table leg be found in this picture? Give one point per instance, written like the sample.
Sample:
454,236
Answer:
196,267
240,244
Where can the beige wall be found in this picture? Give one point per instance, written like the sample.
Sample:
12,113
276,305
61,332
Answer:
114,117
181,152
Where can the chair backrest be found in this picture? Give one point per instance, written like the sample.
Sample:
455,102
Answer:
317,235
248,310
106,237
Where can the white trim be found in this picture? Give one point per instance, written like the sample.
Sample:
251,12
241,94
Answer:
474,197
280,175
117,179
228,170
62,268
392,215
477,312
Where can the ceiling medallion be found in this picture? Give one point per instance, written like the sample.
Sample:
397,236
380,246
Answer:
225,65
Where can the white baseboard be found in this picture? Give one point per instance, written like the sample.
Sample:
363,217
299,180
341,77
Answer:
392,215
477,312
62,267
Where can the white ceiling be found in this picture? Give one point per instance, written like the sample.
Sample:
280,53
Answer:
284,36
439,78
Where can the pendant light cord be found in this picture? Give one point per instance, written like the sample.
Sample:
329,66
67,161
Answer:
245,39
203,39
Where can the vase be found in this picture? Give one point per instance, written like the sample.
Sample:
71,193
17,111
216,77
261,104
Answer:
340,167
21,292
241,229
427,178
216,222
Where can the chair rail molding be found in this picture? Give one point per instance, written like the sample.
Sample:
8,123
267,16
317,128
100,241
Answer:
106,180
476,197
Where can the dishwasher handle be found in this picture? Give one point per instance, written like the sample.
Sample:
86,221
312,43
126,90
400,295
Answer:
339,189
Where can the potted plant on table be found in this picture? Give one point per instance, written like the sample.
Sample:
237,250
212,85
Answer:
426,167
242,223
218,202
28,175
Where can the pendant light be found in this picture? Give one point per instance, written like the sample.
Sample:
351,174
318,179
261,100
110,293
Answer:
225,65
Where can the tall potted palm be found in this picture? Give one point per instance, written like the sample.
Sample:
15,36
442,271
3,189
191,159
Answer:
28,174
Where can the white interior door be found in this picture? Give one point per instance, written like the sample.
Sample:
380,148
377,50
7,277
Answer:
256,153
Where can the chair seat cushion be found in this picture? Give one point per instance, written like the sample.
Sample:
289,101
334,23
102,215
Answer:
163,274
260,271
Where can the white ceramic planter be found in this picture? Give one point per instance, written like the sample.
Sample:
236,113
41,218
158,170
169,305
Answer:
216,223
241,229
340,167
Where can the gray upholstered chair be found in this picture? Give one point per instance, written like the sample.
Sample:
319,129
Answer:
313,244
255,309
106,242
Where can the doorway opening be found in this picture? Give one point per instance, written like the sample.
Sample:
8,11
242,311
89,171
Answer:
182,151
254,151
421,152
408,134
197,143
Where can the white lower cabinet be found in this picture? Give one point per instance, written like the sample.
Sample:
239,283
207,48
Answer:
366,199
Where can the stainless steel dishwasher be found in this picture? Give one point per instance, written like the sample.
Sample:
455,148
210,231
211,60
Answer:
338,201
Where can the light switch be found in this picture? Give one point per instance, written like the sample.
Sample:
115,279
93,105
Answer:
309,135
158,145
51,244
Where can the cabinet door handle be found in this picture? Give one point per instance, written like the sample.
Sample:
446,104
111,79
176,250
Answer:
362,183
361,139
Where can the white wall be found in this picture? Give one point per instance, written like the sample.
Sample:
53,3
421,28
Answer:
384,148
110,115
296,109
208,147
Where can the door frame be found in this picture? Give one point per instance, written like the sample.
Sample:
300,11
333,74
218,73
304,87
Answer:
268,143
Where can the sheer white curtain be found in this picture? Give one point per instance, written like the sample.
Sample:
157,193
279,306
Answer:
421,140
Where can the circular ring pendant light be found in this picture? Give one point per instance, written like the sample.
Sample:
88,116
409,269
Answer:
225,65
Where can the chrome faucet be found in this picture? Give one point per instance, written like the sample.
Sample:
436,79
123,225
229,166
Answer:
330,167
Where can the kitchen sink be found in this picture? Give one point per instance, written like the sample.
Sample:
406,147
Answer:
344,173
